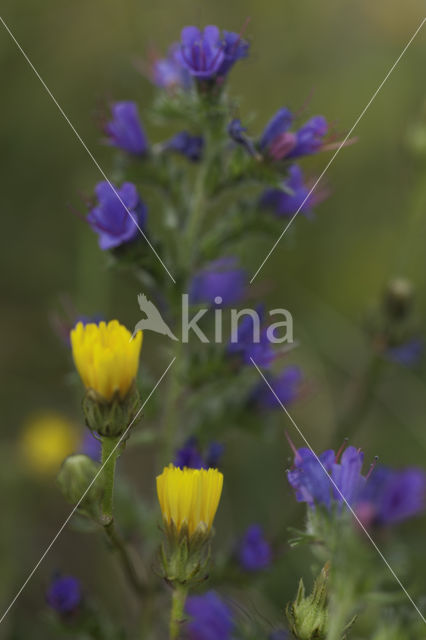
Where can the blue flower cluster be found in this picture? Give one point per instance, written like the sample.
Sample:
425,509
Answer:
192,457
210,618
382,497
64,594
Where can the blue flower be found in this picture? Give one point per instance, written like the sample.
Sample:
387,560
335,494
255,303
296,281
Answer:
202,52
279,124
125,130
191,456
408,353
64,594
220,279
286,386
284,204
91,446
187,145
111,220
211,618
169,73
254,551
281,143
311,480
234,48
207,54
252,342
391,496
309,138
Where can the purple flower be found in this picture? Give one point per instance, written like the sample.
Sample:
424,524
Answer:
125,129
211,618
254,551
91,446
169,72
208,54
309,138
111,220
191,456
220,279
408,353
286,386
285,204
251,341
391,496
234,48
202,52
276,128
311,479
236,132
64,594
187,145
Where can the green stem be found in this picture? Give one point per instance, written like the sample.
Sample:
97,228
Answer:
129,570
109,458
177,612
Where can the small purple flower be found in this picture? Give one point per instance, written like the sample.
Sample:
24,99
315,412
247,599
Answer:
252,342
311,479
187,145
111,220
234,48
309,138
254,551
64,594
279,125
191,456
169,73
286,385
220,279
391,496
408,353
284,204
125,129
91,446
211,618
202,52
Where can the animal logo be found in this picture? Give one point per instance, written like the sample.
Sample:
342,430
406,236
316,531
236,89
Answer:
153,321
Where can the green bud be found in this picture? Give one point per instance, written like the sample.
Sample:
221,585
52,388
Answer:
110,419
308,615
185,558
75,476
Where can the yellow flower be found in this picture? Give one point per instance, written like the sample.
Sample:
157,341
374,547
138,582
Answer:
46,440
189,497
105,357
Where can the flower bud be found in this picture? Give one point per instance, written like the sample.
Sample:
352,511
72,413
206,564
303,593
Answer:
308,615
110,418
75,477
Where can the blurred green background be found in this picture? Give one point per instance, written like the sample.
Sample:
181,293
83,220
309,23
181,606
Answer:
327,272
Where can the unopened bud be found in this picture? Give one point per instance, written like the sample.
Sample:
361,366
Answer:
76,479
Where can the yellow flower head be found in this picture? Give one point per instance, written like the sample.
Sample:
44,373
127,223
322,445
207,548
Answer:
105,357
46,440
189,497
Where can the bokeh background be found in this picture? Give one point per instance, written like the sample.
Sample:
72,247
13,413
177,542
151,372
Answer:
329,272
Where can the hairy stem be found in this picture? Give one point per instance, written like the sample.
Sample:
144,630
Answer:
110,449
177,612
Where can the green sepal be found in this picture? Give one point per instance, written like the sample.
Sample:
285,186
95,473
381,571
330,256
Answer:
185,558
110,418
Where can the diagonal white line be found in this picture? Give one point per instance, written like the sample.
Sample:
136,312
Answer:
340,493
66,118
342,144
52,542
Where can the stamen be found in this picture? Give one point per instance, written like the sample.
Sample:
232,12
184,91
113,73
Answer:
372,467
240,35
297,455
342,448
